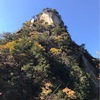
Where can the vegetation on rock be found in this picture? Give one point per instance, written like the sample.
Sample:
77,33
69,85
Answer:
43,63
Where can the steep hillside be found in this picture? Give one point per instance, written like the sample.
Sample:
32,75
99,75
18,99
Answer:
40,61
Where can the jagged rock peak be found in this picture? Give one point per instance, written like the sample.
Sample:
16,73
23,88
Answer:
50,16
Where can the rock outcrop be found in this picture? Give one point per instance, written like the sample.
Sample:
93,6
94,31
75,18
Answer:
51,17
90,69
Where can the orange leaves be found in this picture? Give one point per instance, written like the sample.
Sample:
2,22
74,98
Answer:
33,33
46,90
71,94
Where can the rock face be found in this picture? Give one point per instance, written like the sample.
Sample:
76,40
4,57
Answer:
92,72
51,18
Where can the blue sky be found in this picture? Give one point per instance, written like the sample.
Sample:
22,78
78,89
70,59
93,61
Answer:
81,17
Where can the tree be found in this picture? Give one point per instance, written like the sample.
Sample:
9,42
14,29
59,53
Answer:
6,37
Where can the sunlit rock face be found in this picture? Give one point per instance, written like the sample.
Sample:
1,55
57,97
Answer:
50,18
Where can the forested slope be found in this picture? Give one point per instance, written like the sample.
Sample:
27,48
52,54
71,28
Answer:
42,62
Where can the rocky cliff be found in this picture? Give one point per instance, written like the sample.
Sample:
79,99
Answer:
50,18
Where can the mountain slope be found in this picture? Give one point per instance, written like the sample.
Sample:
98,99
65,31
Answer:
41,62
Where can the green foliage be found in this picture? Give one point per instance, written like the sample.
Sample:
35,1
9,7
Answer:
26,25
5,37
46,52
81,83
57,30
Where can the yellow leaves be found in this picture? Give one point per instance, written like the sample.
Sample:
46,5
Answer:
46,90
19,40
55,51
9,45
40,46
1,47
70,93
57,38
48,84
